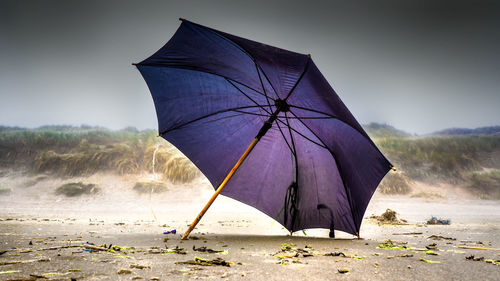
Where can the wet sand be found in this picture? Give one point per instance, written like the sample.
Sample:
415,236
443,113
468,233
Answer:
47,237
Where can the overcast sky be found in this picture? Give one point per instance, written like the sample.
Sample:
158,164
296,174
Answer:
420,66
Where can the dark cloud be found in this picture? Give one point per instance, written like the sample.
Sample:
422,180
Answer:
418,65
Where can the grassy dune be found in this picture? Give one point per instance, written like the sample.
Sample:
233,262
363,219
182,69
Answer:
470,161
80,151
459,160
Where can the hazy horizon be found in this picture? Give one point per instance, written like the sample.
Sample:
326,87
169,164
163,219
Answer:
420,66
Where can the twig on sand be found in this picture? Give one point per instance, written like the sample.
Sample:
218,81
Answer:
478,248
408,233
15,262
90,247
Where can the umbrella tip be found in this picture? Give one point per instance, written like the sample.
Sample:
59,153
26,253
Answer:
393,168
181,19
309,55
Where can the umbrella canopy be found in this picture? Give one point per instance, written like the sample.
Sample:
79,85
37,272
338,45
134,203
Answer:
313,165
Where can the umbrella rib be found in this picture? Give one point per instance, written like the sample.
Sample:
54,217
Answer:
226,117
329,115
267,78
283,135
252,113
326,117
291,137
206,116
300,77
302,135
312,110
263,108
263,88
294,152
242,49
334,117
338,167
198,70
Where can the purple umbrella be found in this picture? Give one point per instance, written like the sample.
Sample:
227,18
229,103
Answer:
265,127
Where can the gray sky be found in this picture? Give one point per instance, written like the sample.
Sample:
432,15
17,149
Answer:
420,66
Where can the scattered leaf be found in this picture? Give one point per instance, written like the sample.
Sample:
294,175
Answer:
429,261
9,271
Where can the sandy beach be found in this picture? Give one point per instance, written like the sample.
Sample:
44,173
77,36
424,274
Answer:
48,237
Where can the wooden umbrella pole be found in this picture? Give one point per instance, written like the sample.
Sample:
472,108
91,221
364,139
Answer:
221,186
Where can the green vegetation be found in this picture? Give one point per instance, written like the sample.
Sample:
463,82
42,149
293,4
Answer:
376,130
449,159
486,185
395,183
66,151
428,195
76,189
150,186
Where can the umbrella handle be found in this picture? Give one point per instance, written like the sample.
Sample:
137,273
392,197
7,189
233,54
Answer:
219,189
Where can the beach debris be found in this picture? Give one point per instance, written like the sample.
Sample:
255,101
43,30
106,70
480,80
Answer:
343,270
389,217
288,250
335,254
401,256
124,271
472,242
173,231
408,233
76,189
207,262
432,246
15,262
155,250
438,221
204,249
92,248
176,250
139,266
432,253
2,252
478,248
495,262
74,270
429,261
473,258
390,244
25,250
439,237
356,257
48,274
137,278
